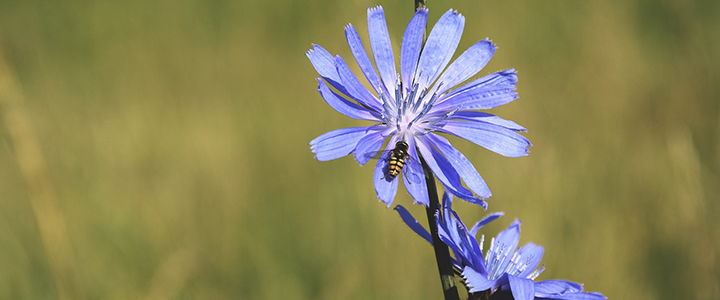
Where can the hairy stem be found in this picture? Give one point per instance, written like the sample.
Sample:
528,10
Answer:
442,253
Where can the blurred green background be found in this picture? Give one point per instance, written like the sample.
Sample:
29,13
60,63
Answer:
172,139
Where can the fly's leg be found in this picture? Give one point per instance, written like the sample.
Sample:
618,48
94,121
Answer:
405,171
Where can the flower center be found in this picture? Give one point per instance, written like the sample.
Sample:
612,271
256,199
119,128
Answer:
496,260
409,110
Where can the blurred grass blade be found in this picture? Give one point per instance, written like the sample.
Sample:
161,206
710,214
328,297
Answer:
50,220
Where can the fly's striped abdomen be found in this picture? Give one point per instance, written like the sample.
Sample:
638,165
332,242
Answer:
397,159
395,166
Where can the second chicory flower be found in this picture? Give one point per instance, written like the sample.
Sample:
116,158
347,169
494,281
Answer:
505,269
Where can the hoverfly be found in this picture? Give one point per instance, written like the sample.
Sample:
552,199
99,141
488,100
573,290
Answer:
396,159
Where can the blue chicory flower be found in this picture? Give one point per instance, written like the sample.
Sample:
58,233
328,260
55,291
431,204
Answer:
416,104
502,270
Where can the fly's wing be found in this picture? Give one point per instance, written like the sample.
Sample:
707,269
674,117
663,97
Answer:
382,155
413,170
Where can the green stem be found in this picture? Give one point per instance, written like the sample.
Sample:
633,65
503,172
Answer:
422,4
442,253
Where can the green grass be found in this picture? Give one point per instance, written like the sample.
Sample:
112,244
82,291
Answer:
175,139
